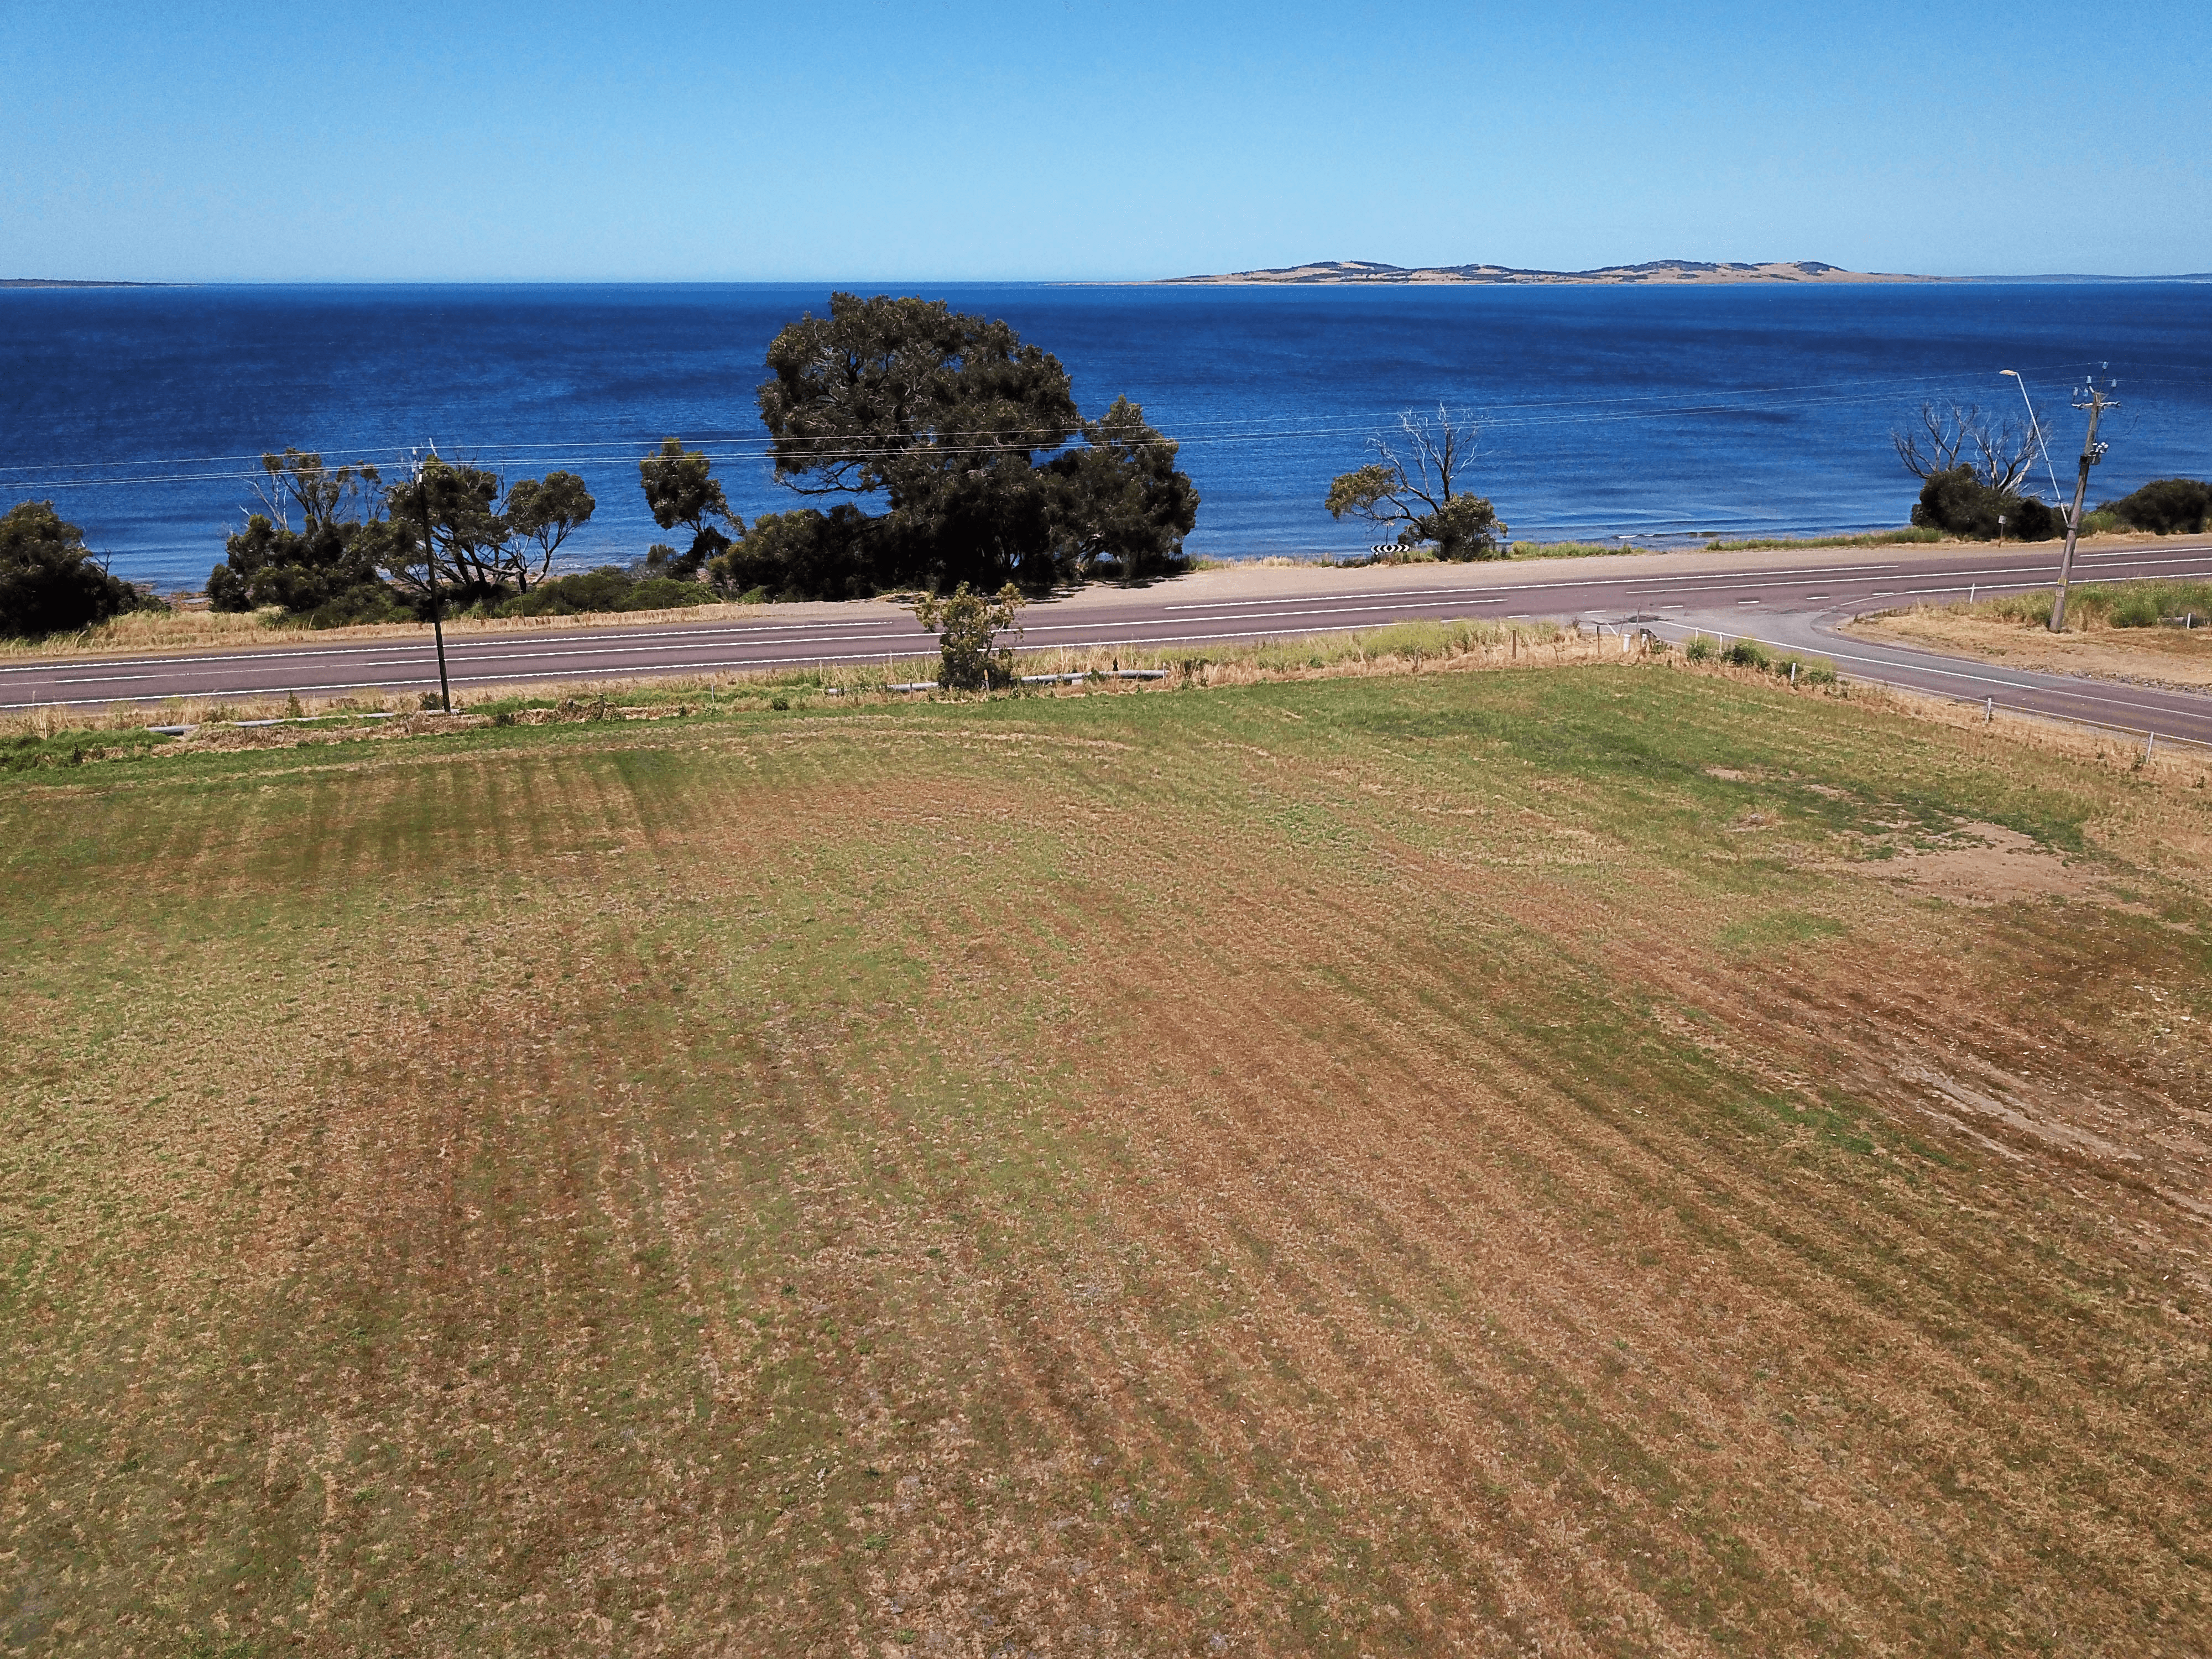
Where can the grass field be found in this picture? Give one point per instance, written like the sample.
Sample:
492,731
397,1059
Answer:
1597,1160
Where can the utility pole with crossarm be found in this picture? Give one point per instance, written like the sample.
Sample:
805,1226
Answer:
2092,453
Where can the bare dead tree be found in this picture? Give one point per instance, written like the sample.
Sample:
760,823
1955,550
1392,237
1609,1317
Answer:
299,476
2000,451
1412,483
1437,449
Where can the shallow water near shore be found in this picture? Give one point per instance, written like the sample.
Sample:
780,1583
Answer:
1660,414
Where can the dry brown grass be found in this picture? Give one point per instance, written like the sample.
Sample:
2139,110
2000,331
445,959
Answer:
1465,1164
214,630
2153,656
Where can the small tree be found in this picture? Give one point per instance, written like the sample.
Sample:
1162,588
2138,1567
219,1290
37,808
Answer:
297,479
300,571
967,625
49,583
679,491
1411,485
489,538
470,536
802,555
541,514
323,562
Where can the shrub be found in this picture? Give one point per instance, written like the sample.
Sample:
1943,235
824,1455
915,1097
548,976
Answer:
967,625
1807,670
367,602
1750,654
49,583
299,571
604,589
807,553
1959,503
667,593
1465,528
609,587
2165,506
2133,608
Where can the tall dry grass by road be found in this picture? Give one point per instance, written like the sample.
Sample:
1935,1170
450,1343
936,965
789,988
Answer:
1614,1162
204,630
2114,630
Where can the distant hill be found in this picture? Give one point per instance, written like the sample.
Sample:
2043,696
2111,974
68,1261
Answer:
1655,271
56,282
2083,277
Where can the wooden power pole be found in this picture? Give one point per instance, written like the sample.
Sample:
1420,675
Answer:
2092,453
437,602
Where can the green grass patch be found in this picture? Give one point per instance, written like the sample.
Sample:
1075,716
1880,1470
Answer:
1774,930
1570,550
74,746
1908,536
2103,605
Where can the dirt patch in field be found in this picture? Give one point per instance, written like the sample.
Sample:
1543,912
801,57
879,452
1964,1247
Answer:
1987,864
1984,864
227,737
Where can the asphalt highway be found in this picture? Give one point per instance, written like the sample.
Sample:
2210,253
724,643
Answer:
1793,599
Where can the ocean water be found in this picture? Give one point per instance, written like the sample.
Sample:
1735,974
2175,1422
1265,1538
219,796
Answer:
1660,414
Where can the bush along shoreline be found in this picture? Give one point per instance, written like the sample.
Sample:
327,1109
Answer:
51,582
924,449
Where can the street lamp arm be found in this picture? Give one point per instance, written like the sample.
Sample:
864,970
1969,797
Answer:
2035,427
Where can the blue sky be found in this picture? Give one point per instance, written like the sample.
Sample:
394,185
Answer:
1057,139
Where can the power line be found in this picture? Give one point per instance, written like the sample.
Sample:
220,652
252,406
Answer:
612,451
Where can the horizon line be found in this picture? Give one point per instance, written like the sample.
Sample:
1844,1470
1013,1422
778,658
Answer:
52,283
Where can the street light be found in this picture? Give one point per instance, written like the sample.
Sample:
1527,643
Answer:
2035,427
